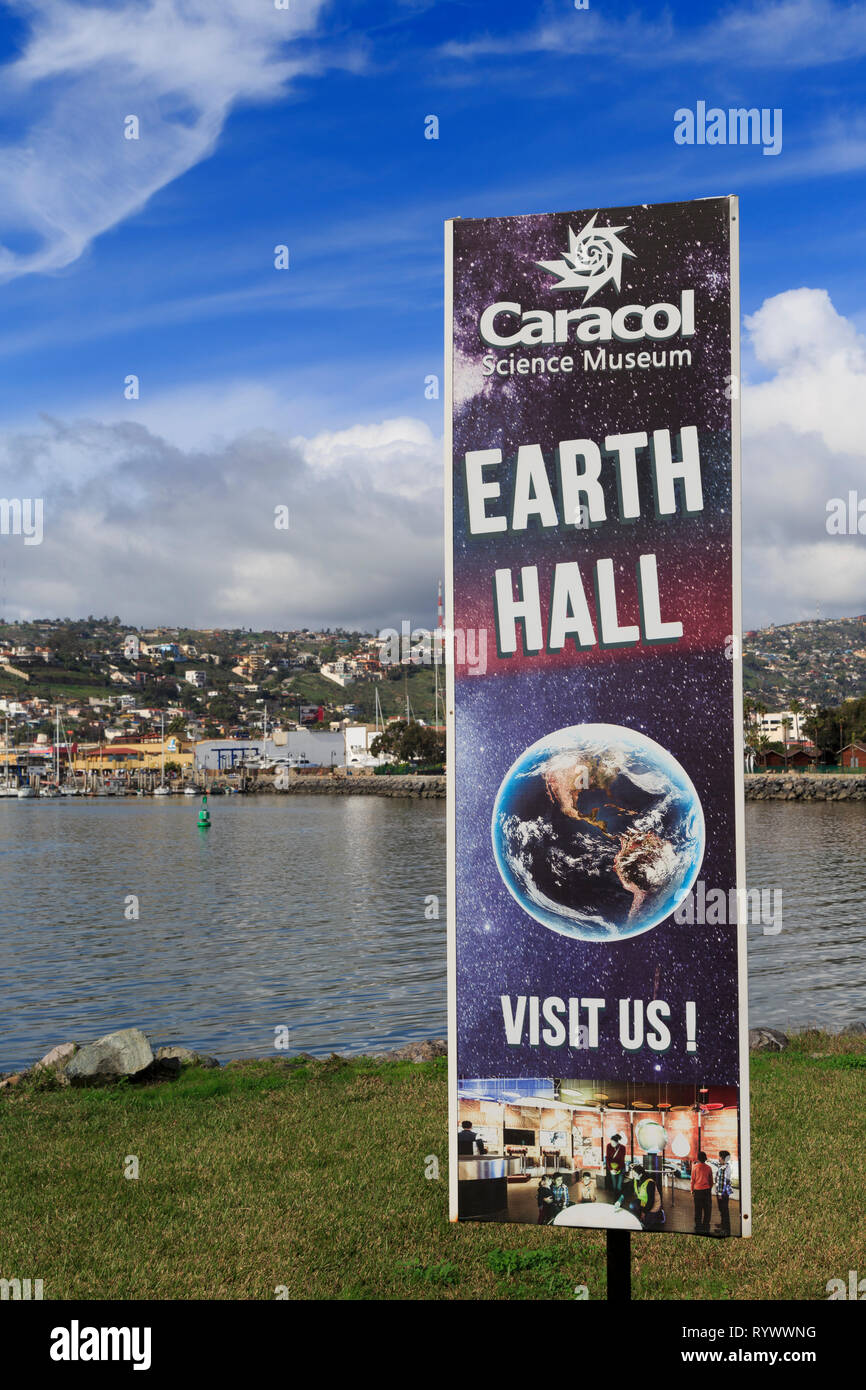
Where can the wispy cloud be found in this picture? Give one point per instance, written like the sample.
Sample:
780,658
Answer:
781,34
179,66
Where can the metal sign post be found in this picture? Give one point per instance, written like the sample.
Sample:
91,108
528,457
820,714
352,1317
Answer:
619,1266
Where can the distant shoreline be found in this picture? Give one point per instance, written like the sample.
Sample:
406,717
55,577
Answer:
759,786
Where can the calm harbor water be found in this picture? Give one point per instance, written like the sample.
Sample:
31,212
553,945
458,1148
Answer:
308,913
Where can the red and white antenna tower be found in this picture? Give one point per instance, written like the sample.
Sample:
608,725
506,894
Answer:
439,651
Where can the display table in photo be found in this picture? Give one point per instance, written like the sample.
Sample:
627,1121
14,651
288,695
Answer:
597,1217
483,1184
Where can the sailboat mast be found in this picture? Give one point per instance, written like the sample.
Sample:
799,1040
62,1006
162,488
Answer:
70,765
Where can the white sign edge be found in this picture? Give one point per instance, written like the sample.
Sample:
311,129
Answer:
744,1136
450,740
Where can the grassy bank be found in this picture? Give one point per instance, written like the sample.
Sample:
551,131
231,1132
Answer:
312,1176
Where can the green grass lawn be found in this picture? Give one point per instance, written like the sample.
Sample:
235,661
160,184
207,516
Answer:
311,1176
54,683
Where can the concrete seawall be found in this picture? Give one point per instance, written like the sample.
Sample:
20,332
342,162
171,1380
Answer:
411,786
800,786
760,786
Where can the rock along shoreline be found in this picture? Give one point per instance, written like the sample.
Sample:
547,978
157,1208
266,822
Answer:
800,786
127,1055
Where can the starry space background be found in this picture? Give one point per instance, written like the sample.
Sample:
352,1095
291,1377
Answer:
679,694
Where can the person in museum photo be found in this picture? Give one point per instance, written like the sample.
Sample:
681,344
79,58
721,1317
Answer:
585,1190
614,1163
560,1194
467,1140
547,1208
723,1192
702,1192
628,1198
649,1199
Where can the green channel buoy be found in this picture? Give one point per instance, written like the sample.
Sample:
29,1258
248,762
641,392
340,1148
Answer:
204,815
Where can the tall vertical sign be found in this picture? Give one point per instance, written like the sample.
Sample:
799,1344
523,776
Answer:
598,1026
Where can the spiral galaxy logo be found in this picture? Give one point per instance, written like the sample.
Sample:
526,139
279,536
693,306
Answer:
594,256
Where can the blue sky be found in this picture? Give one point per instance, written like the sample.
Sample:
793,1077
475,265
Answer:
306,127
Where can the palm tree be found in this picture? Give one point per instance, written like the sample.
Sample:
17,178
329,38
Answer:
748,711
786,724
750,741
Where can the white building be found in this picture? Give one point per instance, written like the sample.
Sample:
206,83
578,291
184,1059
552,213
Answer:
334,671
358,739
771,725
131,647
196,678
291,748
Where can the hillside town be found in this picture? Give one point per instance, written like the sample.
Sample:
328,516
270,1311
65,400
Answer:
95,704
820,661
804,700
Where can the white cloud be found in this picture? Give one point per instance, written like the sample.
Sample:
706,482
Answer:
402,455
158,533
819,361
209,415
170,518
804,442
178,65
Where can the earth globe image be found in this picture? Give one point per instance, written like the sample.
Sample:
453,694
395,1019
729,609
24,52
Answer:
598,832
651,1136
